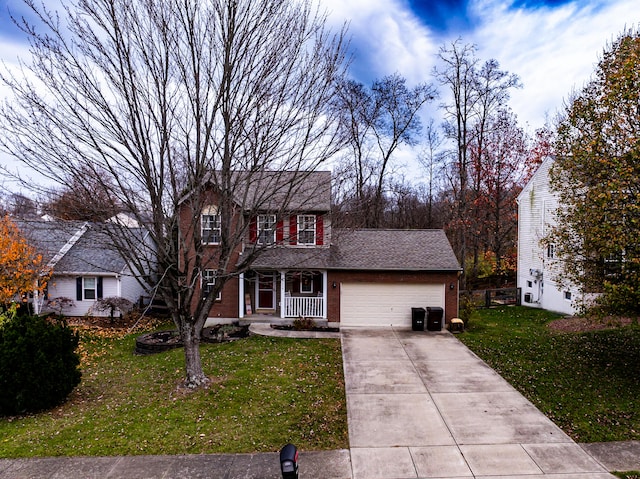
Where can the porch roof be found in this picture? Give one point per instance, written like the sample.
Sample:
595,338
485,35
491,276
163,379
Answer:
294,258
368,249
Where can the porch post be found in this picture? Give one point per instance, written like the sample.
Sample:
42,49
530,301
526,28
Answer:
283,288
324,294
241,296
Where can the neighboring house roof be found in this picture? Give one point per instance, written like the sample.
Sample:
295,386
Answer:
73,247
49,237
270,190
369,249
541,175
91,254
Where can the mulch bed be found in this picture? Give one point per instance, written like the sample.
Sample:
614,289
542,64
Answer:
577,324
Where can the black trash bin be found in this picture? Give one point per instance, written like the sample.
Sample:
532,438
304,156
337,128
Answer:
417,319
434,318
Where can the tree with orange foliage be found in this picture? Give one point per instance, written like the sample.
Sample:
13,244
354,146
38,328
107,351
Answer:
21,268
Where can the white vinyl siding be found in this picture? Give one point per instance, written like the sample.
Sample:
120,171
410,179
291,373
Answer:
380,304
538,262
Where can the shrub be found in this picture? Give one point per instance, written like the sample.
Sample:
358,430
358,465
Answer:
38,364
303,324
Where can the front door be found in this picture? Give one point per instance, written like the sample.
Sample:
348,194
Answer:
265,291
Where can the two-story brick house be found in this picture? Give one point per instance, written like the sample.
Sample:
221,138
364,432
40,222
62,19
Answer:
307,268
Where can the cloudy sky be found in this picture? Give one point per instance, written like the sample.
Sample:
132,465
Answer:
552,45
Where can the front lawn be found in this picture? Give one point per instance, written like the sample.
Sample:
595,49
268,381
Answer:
588,383
266,392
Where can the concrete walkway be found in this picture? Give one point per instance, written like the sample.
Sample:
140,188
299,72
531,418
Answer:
422,405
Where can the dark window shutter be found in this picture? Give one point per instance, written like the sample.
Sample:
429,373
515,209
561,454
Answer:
320,230
293,229
253,230
78,289
279,231
99,287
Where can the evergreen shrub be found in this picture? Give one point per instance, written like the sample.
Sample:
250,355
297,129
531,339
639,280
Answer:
39,365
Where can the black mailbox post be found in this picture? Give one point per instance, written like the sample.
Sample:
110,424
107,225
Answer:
434,318
417,319
289,462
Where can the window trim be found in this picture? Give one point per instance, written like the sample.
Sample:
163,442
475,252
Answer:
301,221
208,280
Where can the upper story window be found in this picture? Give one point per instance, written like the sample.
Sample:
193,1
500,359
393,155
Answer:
551,251
266,229
307,229
210,228
208,282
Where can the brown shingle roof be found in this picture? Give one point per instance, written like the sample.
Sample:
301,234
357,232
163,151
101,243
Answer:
269,190
416,250
369,249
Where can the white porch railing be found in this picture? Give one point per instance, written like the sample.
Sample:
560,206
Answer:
303,306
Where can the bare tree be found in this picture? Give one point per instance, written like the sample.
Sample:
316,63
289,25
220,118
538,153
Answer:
431,159
476,93
82,197
161,102
375,123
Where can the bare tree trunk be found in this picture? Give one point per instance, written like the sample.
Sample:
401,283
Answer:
191,333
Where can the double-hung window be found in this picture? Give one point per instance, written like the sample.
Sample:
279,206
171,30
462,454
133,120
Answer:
266,229
307,229
89,287
210,229
209,282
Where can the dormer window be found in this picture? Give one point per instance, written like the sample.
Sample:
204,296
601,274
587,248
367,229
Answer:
306,229
266,229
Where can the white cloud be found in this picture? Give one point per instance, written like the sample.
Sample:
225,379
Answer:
554,51
386,38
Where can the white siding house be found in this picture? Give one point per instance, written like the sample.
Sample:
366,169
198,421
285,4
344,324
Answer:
538,263
84,267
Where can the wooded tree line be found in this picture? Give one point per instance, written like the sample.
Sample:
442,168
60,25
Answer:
470,169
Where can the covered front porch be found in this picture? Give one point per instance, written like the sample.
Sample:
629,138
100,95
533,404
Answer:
283,294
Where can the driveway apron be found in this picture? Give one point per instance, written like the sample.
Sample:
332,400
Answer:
422,405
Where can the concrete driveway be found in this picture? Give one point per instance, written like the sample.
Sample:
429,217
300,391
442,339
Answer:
422,405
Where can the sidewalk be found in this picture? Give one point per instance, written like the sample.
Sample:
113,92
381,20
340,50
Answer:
419,404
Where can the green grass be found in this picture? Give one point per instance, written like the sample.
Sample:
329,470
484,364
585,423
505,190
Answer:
587,383
266,392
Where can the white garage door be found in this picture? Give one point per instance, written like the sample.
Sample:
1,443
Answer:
379,304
